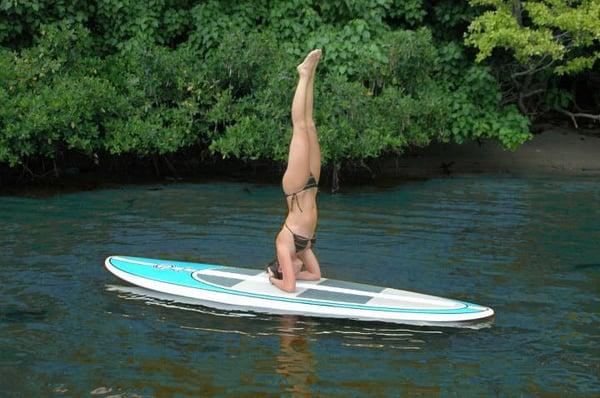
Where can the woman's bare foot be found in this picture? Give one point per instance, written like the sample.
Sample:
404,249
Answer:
307,67
316,63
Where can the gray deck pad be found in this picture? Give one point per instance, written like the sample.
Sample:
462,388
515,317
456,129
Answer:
334,296
352,285
327,282
220,280
314,294
241,271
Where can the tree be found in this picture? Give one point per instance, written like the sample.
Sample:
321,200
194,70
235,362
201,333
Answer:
135,80
545,38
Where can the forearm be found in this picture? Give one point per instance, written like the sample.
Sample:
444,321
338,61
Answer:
289,287
307,276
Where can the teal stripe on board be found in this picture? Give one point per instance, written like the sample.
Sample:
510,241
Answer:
182,264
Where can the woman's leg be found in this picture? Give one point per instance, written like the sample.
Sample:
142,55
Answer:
285,258
312,271
298,167
314,150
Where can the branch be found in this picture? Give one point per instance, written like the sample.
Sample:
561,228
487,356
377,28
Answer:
574,115
561,35
517,11
534,92
28,170
171,167
532,70
509,99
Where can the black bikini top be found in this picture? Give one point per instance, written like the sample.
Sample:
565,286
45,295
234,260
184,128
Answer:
310,183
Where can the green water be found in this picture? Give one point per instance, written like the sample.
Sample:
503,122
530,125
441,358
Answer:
529,248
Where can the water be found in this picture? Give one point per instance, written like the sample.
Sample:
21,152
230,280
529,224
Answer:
529,248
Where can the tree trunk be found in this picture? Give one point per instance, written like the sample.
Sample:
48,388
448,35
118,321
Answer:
335,177
517,11
171,167
155,163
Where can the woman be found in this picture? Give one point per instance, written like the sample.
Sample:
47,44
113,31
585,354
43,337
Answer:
294,243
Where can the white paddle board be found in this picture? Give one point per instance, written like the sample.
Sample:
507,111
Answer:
246,289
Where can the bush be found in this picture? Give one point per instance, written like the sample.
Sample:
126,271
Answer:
157,88
156,78
52,97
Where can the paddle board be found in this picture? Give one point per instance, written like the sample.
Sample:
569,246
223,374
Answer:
246,289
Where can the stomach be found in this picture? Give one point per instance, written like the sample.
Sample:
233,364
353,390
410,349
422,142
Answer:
302,222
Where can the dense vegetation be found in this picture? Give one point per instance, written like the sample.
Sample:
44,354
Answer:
99,80
554,45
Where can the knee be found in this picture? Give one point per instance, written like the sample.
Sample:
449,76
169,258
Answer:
310,126
317,274
299,124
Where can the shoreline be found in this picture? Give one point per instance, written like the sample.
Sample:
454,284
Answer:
554,152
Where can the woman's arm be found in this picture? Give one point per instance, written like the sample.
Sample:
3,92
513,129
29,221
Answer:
312,271
288,283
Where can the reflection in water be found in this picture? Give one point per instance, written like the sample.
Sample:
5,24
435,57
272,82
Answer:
151,297
400,339
295,362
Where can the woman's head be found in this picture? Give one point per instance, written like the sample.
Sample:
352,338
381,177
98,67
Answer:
276,269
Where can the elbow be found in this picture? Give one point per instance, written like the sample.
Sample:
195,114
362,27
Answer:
289,287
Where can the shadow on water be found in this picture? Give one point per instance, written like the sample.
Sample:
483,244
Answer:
17,315
585,266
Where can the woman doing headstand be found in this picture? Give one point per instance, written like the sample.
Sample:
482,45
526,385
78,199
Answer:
295,259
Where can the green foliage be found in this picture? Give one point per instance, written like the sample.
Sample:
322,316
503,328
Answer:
346,49
126,77
212,20
21,21
402,97
563,31
66,115
404,59
474,112
58,97
451,14
52,98
164,22
157,86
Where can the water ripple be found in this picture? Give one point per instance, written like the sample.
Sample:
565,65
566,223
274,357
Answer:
526,247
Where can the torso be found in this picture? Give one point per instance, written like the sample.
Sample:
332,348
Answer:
303,222
302,209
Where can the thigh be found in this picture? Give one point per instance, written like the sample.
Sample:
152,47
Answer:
310,261
314,151
298,167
